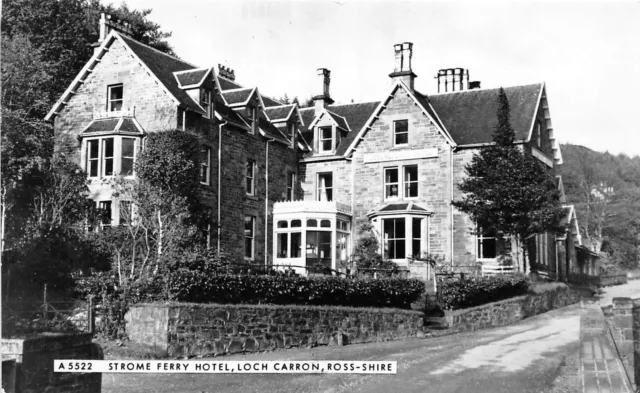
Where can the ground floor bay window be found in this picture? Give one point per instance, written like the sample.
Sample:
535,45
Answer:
311,237
403,230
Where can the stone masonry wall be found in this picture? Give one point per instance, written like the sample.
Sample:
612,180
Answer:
464,243
35,355
625,334
434,173
211,329
509,311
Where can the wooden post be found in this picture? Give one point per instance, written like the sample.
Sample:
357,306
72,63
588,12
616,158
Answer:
45,306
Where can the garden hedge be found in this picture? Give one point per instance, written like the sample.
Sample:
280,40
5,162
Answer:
455,293
191,286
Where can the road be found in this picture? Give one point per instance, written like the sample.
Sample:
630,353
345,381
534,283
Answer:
539,354
631,289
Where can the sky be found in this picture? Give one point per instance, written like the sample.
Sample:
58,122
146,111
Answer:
587,53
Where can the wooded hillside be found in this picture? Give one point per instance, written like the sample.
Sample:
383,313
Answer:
605,190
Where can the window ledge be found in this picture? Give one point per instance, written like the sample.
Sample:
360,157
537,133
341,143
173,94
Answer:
251,197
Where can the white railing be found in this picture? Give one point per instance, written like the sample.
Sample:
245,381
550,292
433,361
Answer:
488,270
128,112
311,207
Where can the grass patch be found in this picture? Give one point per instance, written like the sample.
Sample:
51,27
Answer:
125,349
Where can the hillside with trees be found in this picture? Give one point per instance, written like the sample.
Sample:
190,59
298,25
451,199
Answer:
605,190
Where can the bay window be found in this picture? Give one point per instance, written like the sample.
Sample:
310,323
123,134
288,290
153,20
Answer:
108,156
394,238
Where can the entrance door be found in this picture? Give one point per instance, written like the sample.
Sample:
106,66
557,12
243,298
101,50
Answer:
318,252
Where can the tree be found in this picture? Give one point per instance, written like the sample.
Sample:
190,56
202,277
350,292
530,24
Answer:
508,190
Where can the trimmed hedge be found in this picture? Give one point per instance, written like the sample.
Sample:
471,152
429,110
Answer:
191,286
473,291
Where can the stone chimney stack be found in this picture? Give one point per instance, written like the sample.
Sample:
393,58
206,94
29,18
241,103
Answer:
107,24
402,69
323,99
226,72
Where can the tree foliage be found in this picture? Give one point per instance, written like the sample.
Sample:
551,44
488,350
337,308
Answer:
508,190
605,190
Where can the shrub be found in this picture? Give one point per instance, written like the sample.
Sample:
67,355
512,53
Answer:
473,291
189,286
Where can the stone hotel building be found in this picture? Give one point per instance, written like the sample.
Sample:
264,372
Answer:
290,185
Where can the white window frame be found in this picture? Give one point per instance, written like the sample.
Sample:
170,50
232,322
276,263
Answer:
291,185
332,188
480,238
405,238
117,155
206,166
321,139
101,224
251,238
395,132
205,102
250,189
401,184
111,101
397,184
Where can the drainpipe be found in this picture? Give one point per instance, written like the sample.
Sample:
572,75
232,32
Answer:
266,203
219,182
451,206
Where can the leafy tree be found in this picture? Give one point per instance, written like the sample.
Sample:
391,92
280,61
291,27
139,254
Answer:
508,190
365,253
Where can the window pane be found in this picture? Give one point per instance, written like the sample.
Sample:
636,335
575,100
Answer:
416,247
489,248
126,166
391,183
283,224
296,245
93,148
296,223
283,246
416,228
116,92
411,173
391,175
326,132
325,224
127,147
312,223
401,125
401,132
326,145
248,236
412,190
400,228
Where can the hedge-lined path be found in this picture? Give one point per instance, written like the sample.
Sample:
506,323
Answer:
539,354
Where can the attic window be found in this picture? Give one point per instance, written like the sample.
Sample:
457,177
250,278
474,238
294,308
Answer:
400,132
325,139
539,135
115,95
253,114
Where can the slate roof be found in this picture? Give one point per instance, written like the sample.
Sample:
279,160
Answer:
470,116
226,84
340,121
392,207
279,112
191,77
163,66
355,114
112,126
237,96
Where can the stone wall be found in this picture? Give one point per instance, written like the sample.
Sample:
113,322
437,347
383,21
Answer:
183,329
509,311
623,320
34,359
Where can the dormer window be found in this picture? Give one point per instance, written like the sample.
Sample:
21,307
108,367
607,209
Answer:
205,101
114,98
400,132
325,139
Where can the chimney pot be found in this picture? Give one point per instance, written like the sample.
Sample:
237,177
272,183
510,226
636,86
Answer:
402,70
323,99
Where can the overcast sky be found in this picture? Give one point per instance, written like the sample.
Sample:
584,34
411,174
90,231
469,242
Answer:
587,53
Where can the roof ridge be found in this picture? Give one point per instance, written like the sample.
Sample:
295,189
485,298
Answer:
480,89
354,103
154,49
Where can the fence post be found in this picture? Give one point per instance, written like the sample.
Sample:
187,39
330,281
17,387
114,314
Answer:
45,304
91,320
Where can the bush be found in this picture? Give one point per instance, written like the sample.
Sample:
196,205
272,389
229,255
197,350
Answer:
473,291
190,286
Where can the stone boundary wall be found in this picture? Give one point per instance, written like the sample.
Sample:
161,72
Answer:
34,358
202,330
509,311
623,320
608,280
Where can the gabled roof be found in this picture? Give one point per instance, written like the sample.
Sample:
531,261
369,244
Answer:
163,66
340,121
238,97
226,84
281,113
470,115
191,78
422,104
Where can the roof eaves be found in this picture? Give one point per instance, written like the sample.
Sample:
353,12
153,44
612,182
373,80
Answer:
535,112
